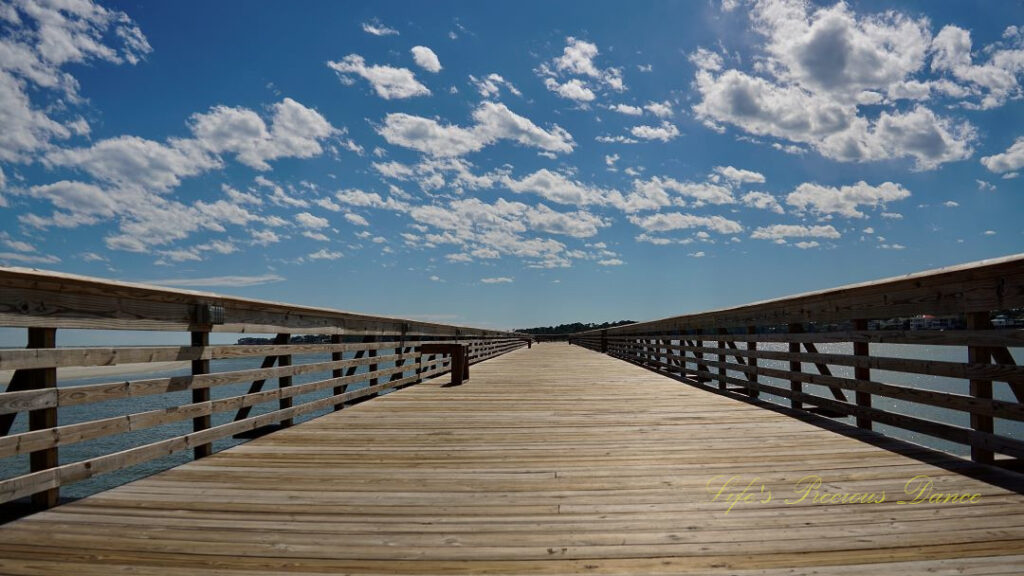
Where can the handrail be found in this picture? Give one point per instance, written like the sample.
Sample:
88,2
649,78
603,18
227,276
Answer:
358,358
981,286
779,355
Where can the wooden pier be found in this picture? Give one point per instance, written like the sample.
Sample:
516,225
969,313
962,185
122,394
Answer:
725,442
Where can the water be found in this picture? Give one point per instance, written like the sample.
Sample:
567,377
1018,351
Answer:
19,465
14,466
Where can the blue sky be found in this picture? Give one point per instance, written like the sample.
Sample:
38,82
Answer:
509,164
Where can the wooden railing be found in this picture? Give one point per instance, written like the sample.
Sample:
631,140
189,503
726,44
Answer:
357,358
772,348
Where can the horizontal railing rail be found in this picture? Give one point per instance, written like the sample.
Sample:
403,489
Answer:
354,358
928,353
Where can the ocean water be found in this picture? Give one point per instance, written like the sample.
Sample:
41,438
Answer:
19,465
14,466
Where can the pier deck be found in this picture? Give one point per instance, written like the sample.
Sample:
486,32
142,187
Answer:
551,460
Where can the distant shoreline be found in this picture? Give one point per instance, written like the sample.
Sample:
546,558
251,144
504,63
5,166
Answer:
77,372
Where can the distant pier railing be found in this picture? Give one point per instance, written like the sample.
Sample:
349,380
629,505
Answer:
772,348
357,358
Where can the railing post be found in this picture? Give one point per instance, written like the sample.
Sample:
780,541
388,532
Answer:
337,372
372,352
752,363
45,417
720,344
862,350
201,366
604,341
282,383
795,386
980,388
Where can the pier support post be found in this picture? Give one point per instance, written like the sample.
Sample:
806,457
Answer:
980,388
43,418
337,372
752,363
202,366
720,344
282,383
862,350
795,386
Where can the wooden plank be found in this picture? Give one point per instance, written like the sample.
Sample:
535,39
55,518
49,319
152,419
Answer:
981,389
862,350
531,468
268,362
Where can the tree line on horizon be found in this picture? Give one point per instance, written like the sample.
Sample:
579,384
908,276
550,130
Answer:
572,328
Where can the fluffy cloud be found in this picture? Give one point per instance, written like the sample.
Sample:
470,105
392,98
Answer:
389,82
556,188
573,89
667,131
659,109
783,231
738,175
826,200
49,37
663,222
325,254
820,66
356,219
426,59
491,85
627,109
1009,161
762,201
494,122
497,280
307,220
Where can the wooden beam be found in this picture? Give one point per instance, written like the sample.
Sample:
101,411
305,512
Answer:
199,423
337,372
752,363
862,350
45,418
794,366
980,388
256,386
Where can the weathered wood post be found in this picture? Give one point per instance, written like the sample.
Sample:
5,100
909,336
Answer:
796,386
43,418
862,350
752,363
337,356
981,389
201,339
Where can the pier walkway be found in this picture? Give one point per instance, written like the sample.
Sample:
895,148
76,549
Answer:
549,460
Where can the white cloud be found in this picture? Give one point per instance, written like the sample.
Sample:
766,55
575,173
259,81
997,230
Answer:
44,39
699,254
660,109
325,254
627,109
1009,161
705,59
577,59
494,122
610,262
844,201
822,64
497,280
264,237
28,258
426,59
218,281
376,28
783,231
389,82
762,201
805,244
995,81
663,222
573,89
307,220
667,131
556,188
356,219
951,204
742,176
490,86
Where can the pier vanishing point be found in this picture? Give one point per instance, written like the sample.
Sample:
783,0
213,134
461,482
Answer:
391,446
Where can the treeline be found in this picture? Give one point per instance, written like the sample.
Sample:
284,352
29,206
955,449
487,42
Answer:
572,328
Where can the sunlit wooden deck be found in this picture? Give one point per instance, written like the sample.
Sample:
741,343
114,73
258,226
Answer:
551,460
